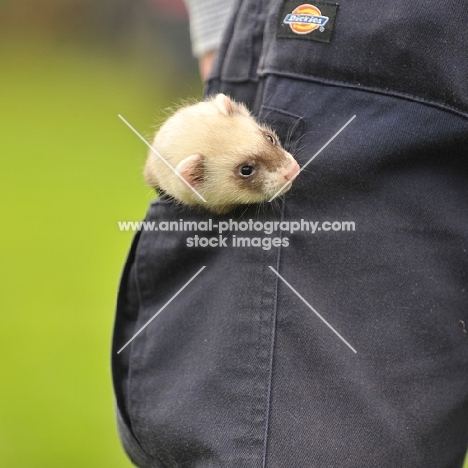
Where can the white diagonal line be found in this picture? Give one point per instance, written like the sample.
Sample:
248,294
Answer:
155,151
161,309
313,310
314,156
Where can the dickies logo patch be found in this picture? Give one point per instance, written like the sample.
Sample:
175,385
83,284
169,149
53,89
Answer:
298,20
305,18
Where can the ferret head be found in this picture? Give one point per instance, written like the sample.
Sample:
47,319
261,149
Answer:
223,154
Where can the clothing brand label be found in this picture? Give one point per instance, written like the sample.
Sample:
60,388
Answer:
299,20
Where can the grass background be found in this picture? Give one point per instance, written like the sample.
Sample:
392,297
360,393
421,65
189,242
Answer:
69,170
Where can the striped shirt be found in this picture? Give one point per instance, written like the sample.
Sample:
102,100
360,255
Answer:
208,19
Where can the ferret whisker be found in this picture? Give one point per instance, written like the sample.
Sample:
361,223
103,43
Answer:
291,130
265,116
298,151
304,135
259,210
307,171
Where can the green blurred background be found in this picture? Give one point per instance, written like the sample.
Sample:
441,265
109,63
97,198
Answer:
70,169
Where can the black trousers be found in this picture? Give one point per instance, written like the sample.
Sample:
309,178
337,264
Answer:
238,371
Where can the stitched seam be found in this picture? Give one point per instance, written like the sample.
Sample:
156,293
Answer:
344,84
139,260
255,38
281,111
272,348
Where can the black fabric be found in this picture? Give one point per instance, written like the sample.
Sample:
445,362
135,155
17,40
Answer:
237,371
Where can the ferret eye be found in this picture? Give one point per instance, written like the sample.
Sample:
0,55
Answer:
270,138
246,171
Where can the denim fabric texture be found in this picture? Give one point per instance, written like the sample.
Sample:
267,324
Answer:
237,371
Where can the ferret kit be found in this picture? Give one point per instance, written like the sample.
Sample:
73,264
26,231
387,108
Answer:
214,154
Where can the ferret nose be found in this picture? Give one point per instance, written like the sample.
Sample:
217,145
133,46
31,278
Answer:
292,172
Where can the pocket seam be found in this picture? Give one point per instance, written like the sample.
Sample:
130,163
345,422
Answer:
344,84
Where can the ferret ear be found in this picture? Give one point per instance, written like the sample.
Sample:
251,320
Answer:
229,107
192,169
224,104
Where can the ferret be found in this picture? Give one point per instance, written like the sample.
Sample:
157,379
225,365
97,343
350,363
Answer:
214,154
